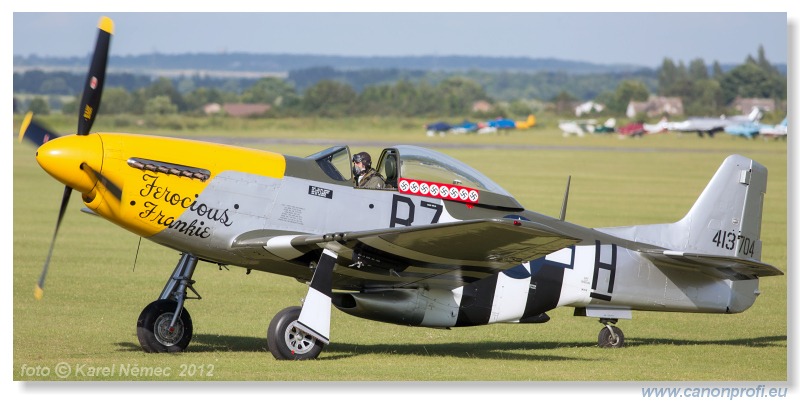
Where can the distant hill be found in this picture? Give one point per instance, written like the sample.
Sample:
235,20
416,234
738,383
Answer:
283,63
503,78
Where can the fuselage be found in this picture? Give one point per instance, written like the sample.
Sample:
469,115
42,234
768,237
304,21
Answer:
201,198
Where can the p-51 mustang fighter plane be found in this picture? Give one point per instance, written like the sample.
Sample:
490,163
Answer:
441,246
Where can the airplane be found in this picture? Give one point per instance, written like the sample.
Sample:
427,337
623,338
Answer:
632,129
709,125
577,127
437,128
658,127
525,124
748,130
778,131
441,246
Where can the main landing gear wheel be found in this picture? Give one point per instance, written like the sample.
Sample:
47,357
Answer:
610,337
155,333
287,342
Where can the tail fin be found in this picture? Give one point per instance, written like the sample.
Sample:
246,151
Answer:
725,220
755,114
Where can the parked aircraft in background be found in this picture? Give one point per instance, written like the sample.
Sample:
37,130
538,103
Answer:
464,127
581,127
709,126
633,129
778,131
438,128
577,127
661,126
527,123
490,126
747,130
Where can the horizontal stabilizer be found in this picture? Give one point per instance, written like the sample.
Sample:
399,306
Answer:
728,267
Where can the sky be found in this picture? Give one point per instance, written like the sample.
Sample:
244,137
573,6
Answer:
644,37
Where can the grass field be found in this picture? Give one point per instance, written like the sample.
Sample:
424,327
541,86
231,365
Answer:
94,293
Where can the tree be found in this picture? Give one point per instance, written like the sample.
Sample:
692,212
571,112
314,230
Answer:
563,102
627,91
269,90
763,62
457,95
200,97
329,99
667,76
698,70
706,98
39,106
717,71
116,101
164,87
160,105
749,80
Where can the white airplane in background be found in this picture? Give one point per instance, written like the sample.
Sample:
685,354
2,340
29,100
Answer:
709,125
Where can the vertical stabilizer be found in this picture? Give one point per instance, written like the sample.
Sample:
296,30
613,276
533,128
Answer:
725,220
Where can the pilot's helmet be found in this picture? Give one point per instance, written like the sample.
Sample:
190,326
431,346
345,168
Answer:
364,158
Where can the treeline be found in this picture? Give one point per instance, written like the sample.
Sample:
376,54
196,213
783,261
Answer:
705,90
328,98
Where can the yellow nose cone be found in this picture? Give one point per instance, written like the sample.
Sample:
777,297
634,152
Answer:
73,160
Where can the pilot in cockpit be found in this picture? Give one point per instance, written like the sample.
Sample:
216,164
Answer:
364,175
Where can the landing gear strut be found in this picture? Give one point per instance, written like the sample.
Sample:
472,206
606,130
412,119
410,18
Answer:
300,333
610,336
165,326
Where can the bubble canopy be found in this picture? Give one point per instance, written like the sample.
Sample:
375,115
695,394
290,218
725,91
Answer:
425,164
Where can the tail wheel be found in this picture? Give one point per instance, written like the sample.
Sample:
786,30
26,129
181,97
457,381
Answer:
155,333
610,337
287,342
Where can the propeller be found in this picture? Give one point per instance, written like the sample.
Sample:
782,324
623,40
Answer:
93,89
38,292
34,131
90,105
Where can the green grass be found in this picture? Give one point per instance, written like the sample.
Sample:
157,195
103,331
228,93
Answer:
94,293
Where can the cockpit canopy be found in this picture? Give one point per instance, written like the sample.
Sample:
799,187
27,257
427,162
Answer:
419,165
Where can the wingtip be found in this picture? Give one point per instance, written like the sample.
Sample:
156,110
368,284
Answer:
106,24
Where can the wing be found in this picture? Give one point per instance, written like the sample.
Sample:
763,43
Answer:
436,255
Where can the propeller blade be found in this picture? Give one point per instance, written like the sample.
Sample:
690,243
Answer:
38,292
34,131
112,187
93,90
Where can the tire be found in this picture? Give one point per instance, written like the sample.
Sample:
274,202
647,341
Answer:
606,340
153,332
286,342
